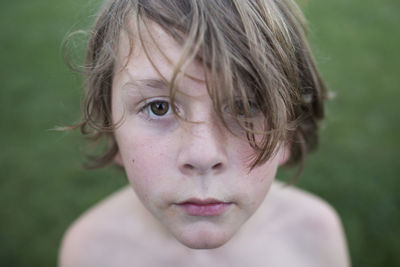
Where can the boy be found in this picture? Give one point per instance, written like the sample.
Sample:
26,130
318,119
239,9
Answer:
201,101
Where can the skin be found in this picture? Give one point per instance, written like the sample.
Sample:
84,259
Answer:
290,228
168,161
199,159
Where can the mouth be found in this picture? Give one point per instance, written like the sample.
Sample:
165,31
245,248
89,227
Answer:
204,207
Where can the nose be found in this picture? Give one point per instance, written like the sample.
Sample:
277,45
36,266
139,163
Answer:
203,149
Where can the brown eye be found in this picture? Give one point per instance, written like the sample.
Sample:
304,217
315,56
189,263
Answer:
159,108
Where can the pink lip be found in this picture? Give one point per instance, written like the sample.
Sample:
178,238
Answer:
207,207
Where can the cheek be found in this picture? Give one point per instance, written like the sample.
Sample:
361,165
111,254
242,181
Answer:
147,161
253,185
243,157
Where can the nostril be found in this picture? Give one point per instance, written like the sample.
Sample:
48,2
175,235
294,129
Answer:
217,166
188,167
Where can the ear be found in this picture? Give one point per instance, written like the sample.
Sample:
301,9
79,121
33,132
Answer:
284,154
118,159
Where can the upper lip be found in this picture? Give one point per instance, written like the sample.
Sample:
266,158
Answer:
207,201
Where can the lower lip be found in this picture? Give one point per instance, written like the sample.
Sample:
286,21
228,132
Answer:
212,209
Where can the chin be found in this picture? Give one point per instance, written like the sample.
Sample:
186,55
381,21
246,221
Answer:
204,239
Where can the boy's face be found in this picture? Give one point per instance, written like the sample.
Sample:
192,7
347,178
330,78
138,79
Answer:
193,177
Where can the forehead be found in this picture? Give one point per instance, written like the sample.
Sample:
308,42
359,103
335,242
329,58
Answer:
152,53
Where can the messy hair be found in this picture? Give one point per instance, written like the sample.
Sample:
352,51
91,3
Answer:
255,50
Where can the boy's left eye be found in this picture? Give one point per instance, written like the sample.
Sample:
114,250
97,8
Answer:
240,109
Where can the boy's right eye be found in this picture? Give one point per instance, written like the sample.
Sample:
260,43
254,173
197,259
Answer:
159,108
156,109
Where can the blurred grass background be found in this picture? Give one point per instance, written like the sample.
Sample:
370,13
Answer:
43,187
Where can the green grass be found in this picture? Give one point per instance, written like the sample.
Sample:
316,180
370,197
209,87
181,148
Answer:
43,187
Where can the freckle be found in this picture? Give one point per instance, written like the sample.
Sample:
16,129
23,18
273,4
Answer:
133,161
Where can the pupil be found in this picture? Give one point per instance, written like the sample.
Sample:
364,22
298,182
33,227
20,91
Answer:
159,108
239,105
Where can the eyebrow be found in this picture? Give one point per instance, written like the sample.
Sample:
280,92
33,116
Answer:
157,84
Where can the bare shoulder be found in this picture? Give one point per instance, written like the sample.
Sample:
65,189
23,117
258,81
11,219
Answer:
310,224
108,227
